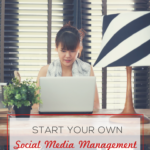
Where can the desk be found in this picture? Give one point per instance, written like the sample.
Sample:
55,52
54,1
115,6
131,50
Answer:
3,122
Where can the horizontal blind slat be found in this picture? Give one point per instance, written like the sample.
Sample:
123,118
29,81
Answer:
25,36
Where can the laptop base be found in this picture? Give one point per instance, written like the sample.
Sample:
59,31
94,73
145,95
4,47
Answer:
65,112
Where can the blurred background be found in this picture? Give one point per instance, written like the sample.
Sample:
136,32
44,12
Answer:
27,42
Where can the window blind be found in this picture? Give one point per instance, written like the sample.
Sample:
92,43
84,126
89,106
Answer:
116,76
2,9
0,42
63,11
149,72
92,24
25,37
141,87
122,6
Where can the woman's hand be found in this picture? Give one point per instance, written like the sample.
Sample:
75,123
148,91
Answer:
96,99
42,73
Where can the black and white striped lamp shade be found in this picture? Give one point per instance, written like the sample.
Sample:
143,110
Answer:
126,40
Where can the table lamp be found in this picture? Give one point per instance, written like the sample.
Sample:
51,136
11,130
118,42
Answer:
126,42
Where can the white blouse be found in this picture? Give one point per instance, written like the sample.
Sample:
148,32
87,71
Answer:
79,68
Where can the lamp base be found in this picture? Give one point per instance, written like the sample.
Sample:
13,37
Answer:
114,118
128,111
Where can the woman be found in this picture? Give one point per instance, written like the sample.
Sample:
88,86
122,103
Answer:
69,47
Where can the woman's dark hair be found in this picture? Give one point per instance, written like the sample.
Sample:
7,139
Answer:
70,37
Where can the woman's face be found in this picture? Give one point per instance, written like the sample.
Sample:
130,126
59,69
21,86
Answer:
67,57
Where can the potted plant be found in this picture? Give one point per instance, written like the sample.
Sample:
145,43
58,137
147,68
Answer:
21,95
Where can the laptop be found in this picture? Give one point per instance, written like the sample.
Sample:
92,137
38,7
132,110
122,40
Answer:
67,95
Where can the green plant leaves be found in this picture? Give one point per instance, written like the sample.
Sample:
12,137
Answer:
18,96
24,97
27,103
19,105
23,90
21,93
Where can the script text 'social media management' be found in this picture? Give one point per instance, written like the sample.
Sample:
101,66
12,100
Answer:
82,144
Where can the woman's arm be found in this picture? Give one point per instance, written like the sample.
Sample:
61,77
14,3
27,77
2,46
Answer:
42,73
96,99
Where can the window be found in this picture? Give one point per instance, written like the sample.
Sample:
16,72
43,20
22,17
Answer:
92,12
25,37
28,31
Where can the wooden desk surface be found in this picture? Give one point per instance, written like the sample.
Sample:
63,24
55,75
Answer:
3,121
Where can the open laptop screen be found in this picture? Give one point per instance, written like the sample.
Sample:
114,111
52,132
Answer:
67,94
